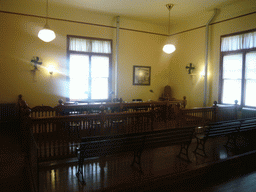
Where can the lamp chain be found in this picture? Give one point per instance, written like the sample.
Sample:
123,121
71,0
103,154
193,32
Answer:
47,12
169,21
169,7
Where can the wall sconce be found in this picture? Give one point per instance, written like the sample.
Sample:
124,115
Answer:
190,67
36,61
51,69
202,73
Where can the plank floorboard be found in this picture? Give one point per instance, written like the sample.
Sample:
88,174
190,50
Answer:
224,169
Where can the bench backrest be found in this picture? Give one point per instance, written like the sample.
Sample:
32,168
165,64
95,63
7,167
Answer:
106,145
169,137
248,124
101,146
222,128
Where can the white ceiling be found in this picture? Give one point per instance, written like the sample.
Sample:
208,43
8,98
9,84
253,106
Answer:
149,10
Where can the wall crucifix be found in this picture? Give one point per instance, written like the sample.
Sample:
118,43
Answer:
190,68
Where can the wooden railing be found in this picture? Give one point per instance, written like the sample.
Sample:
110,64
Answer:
58,137
58,130
215,113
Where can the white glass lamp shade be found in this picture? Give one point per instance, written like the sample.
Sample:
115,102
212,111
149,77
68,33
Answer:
169,48
46,34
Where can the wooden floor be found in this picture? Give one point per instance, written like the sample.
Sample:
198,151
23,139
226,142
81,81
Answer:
225,169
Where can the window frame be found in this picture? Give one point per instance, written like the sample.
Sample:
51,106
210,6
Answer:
90,54
225,53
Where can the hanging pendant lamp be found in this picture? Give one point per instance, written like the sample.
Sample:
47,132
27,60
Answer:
169,48
46,34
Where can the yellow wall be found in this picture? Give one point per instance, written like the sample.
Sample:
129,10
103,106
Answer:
226,10
191,49
19,43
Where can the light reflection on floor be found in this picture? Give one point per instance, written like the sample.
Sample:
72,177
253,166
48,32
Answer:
114,171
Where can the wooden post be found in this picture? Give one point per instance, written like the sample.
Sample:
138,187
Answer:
178,116
153,116
184,102
167,108
61,102
29,146
102,119
236,109
24,110
121,107
215,111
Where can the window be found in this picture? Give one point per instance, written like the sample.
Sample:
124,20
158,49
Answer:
238,69
89,69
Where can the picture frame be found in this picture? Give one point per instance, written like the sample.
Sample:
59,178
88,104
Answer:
141,75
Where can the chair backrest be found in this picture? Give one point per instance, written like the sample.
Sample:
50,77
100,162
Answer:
117,100
167,91
140,100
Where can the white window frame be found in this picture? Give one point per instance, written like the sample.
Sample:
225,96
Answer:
232,44
88,49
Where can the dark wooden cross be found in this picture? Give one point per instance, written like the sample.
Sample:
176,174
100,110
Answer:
190,68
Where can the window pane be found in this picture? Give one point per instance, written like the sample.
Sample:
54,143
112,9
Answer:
231,91
101,46
237,42
80,44
250,66
250,93
100,88
79,77
232,66
89,45
100,66
232,43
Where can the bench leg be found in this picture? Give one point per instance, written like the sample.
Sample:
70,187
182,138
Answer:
200,145
184,151
231,137
137,159
80,171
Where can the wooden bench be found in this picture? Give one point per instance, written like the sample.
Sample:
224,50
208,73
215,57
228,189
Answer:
248,129
100,146
247,125
223,128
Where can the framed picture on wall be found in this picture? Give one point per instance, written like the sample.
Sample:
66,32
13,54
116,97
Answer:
141,75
